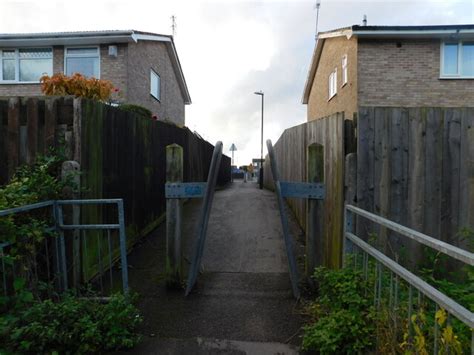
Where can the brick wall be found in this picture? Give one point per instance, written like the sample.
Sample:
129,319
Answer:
114,69
346,98
34,89
130,73
147,55
407,75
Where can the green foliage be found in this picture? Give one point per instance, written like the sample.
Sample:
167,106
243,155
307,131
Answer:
26,231
343,320
71,325
139,110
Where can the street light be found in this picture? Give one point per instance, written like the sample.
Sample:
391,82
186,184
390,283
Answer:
260,178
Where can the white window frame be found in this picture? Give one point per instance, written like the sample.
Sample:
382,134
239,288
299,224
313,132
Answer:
332,81
441,61
159,85
17,65
344,70
81,56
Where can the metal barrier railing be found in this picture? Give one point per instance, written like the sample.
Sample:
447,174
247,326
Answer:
353,242
53,268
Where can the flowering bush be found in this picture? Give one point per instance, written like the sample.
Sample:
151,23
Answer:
77,85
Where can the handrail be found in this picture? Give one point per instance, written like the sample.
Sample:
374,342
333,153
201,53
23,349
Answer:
284,222
26,208
204,217
60,227
438,297
445,248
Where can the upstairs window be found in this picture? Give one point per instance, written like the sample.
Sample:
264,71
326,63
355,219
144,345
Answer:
25,65
457,59
82,60
344,70
155,85
333,83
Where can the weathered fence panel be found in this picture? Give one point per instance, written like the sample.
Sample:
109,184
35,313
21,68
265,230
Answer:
414,166
291,153
121,155
421,162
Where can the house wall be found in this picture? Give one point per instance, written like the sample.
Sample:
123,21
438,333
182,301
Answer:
407,76
346,98
144,56
114,69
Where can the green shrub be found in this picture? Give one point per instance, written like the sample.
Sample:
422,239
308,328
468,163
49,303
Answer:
139,110
71,326
343,320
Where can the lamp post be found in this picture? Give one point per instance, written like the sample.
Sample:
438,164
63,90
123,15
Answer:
260,178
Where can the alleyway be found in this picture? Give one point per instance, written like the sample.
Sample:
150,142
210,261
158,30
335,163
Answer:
242,303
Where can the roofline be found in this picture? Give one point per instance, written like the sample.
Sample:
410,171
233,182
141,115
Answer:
432,31
99,37
318,48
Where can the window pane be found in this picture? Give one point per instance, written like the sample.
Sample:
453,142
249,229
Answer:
8,54
82,51
450,58
155,84
467,66
34,69
8,69
34,53
85,66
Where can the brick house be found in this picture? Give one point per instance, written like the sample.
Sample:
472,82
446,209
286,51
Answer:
406,66
143,66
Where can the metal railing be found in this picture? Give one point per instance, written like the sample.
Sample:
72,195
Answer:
54,267
353,244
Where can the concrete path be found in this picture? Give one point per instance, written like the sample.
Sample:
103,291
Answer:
242,303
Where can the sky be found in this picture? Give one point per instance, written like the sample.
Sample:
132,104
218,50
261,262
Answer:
230,49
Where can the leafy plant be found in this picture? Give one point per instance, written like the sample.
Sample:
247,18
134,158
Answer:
77,85
26,231
342,319
71,325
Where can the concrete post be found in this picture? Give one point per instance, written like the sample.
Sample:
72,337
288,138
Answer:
315,246
70,171
174,174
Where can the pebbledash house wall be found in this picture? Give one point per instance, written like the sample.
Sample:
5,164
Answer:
130,73
406,73
319,104
147,55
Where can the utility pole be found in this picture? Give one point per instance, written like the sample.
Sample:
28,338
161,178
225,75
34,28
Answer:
260,93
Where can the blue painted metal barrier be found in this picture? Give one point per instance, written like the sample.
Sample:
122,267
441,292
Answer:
295,190
58,246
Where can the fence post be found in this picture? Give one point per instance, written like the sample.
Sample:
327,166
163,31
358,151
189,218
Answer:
174,174
315,211
70,172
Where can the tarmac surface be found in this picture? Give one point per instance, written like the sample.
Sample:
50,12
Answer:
242,302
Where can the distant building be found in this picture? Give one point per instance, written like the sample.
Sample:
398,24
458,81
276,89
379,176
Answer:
390,66
143,66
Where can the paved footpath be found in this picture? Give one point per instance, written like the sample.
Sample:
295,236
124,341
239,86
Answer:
242,303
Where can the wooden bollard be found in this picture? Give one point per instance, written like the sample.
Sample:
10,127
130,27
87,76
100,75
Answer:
315,243
174,174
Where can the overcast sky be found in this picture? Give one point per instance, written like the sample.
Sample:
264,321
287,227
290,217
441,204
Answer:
229,49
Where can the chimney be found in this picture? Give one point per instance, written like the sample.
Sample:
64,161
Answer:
364,21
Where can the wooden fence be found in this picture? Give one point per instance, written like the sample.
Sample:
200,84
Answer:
293,155
415,166
121,155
